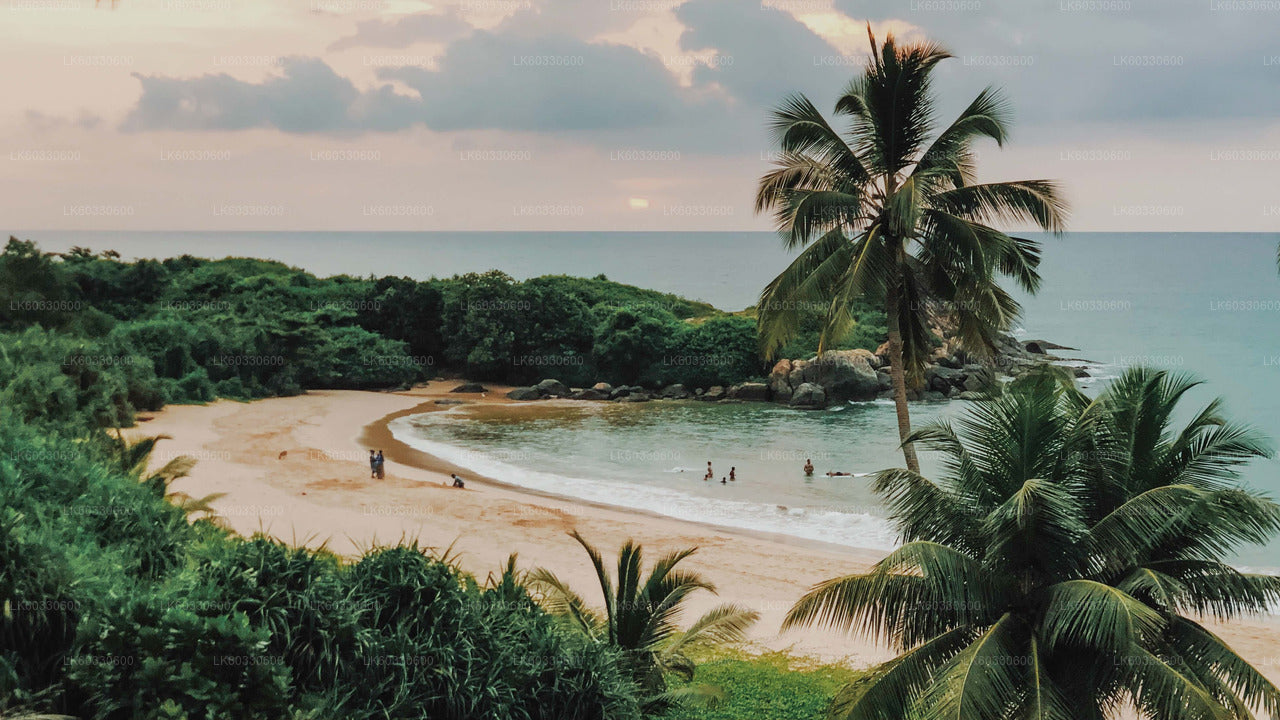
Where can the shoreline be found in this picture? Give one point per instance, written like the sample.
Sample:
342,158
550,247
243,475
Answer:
295,468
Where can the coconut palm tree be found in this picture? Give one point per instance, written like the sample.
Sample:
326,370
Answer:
888,216
1061,566
642,618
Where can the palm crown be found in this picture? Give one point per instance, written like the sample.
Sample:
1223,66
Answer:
887,215
1056,569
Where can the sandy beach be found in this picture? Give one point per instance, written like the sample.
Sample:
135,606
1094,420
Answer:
297,469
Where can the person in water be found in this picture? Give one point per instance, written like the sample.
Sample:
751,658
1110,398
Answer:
808,466
710,474
839,474
733,474
722,482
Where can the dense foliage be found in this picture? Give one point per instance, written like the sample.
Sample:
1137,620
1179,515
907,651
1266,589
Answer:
115,606
90,336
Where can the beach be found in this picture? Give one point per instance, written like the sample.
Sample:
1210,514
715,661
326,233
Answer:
297,469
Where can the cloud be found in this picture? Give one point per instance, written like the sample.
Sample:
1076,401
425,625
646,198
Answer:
762,54
405,31
308,97
547,84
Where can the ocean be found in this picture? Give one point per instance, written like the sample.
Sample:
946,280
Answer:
1202,303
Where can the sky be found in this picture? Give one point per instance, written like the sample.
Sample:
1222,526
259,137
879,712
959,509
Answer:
601,114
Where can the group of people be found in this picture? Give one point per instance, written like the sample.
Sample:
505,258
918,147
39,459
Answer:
377,465
711,475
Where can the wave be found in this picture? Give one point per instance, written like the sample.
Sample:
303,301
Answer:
857,530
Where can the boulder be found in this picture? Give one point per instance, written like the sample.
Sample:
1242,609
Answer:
884,380
953,393
940,379
589,394
845,375
635,397
619,392
470,387
932,396
524,393
809,396
1079,372
977,378
715,392
603,387
674,392
749,391
970,395
551,387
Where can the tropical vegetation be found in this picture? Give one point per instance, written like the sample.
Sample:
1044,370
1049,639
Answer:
642,619
1062,564
888,211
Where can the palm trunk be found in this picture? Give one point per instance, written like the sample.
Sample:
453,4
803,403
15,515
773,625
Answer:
898,374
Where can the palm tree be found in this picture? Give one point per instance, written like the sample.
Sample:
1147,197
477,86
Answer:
890,218
642,618
133,458
1058,569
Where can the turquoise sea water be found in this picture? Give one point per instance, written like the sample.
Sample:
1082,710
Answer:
1203,303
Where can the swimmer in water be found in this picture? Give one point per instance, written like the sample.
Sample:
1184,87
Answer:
733,474
808,467
722,482
839,474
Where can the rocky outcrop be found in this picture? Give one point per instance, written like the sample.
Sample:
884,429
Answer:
589,394
602,387
715,392
524,393
756,392
470,387
842,375
552,388
674,392
808,396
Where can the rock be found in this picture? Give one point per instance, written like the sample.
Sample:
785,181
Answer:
1080,372
470,388
1042,347
749,391
636,397
885,395
950,361
700,392
970,395
715,392
589,394
603,387
619,392
847,375
674,392
884,380
978,378
551,387
940,379
809,396
953,393
448,402
932,396
524,393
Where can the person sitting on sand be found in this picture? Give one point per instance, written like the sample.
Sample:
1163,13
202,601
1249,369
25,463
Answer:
457,481
373,465
379,466
733,474
808,467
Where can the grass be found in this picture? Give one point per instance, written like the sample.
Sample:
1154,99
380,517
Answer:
771,686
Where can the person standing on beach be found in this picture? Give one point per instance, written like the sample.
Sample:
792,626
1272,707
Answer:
379,466
373,465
